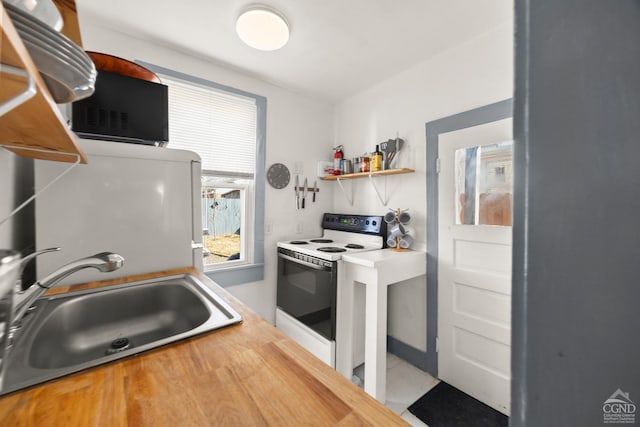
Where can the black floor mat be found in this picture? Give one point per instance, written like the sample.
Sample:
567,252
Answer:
446,406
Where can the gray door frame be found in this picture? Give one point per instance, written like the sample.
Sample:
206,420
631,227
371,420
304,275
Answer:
478,116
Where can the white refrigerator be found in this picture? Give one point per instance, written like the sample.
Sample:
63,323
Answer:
139,201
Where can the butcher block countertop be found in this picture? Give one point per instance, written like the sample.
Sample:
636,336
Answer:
248,374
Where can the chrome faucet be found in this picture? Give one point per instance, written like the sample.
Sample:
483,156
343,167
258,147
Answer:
23,263
24,299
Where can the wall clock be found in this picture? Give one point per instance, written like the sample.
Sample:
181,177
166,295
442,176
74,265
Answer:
278,175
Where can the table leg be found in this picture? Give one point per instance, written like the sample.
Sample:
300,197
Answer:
375,347
344,322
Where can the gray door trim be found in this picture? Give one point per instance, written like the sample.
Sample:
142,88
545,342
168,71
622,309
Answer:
486,114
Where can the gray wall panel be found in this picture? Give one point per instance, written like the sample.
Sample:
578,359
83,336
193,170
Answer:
576,269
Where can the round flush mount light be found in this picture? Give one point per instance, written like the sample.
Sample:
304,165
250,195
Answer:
262,28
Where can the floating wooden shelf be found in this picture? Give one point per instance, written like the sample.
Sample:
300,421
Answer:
371,175
36,123
367,174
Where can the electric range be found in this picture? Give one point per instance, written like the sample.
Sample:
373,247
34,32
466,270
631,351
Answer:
308,278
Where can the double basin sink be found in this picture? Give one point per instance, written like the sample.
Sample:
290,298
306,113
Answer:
70,332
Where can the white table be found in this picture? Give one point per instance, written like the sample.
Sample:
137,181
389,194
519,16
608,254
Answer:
376,270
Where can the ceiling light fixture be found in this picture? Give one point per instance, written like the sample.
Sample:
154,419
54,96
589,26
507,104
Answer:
262,28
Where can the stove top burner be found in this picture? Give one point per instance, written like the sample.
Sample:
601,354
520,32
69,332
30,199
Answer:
298,242
331,249
353,246
321,241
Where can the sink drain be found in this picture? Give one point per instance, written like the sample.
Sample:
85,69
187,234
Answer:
118,345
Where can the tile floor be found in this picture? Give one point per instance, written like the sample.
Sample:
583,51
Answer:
405,384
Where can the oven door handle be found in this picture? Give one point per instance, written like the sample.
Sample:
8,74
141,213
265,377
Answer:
305,263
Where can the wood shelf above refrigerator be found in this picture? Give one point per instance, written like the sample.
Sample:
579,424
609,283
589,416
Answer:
37,122
367,174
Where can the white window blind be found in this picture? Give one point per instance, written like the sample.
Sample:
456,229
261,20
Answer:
219,126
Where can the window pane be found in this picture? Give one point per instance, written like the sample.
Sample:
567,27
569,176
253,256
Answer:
222,223
484,184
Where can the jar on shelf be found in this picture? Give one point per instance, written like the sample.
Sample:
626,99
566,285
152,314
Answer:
365,163
357,164
347,167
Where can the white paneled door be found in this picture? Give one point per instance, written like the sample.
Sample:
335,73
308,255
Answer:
474,261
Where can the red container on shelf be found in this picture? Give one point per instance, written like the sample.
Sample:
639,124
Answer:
337,158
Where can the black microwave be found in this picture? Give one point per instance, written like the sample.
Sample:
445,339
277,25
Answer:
123,109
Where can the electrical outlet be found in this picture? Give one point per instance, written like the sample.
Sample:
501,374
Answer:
268,227
298,167
299,228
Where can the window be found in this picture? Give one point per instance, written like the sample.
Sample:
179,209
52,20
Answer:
226,127
484,184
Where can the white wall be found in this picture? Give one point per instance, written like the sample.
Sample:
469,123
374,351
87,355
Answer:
470,75
298,129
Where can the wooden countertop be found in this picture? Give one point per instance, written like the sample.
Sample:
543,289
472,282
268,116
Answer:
243,375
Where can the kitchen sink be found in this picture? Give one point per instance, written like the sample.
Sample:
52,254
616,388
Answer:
70,332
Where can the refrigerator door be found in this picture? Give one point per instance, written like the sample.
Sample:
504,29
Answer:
139,201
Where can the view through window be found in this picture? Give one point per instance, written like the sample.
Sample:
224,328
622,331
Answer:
484,184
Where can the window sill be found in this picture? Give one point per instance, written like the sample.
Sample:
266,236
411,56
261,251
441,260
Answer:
236,275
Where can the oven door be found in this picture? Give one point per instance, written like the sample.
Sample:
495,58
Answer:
307,291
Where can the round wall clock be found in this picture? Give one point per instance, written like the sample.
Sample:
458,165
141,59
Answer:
278,175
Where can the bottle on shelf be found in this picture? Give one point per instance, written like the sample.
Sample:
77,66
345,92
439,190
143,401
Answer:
376,160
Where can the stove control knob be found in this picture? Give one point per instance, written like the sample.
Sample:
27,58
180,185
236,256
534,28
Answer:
367,222
374,223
